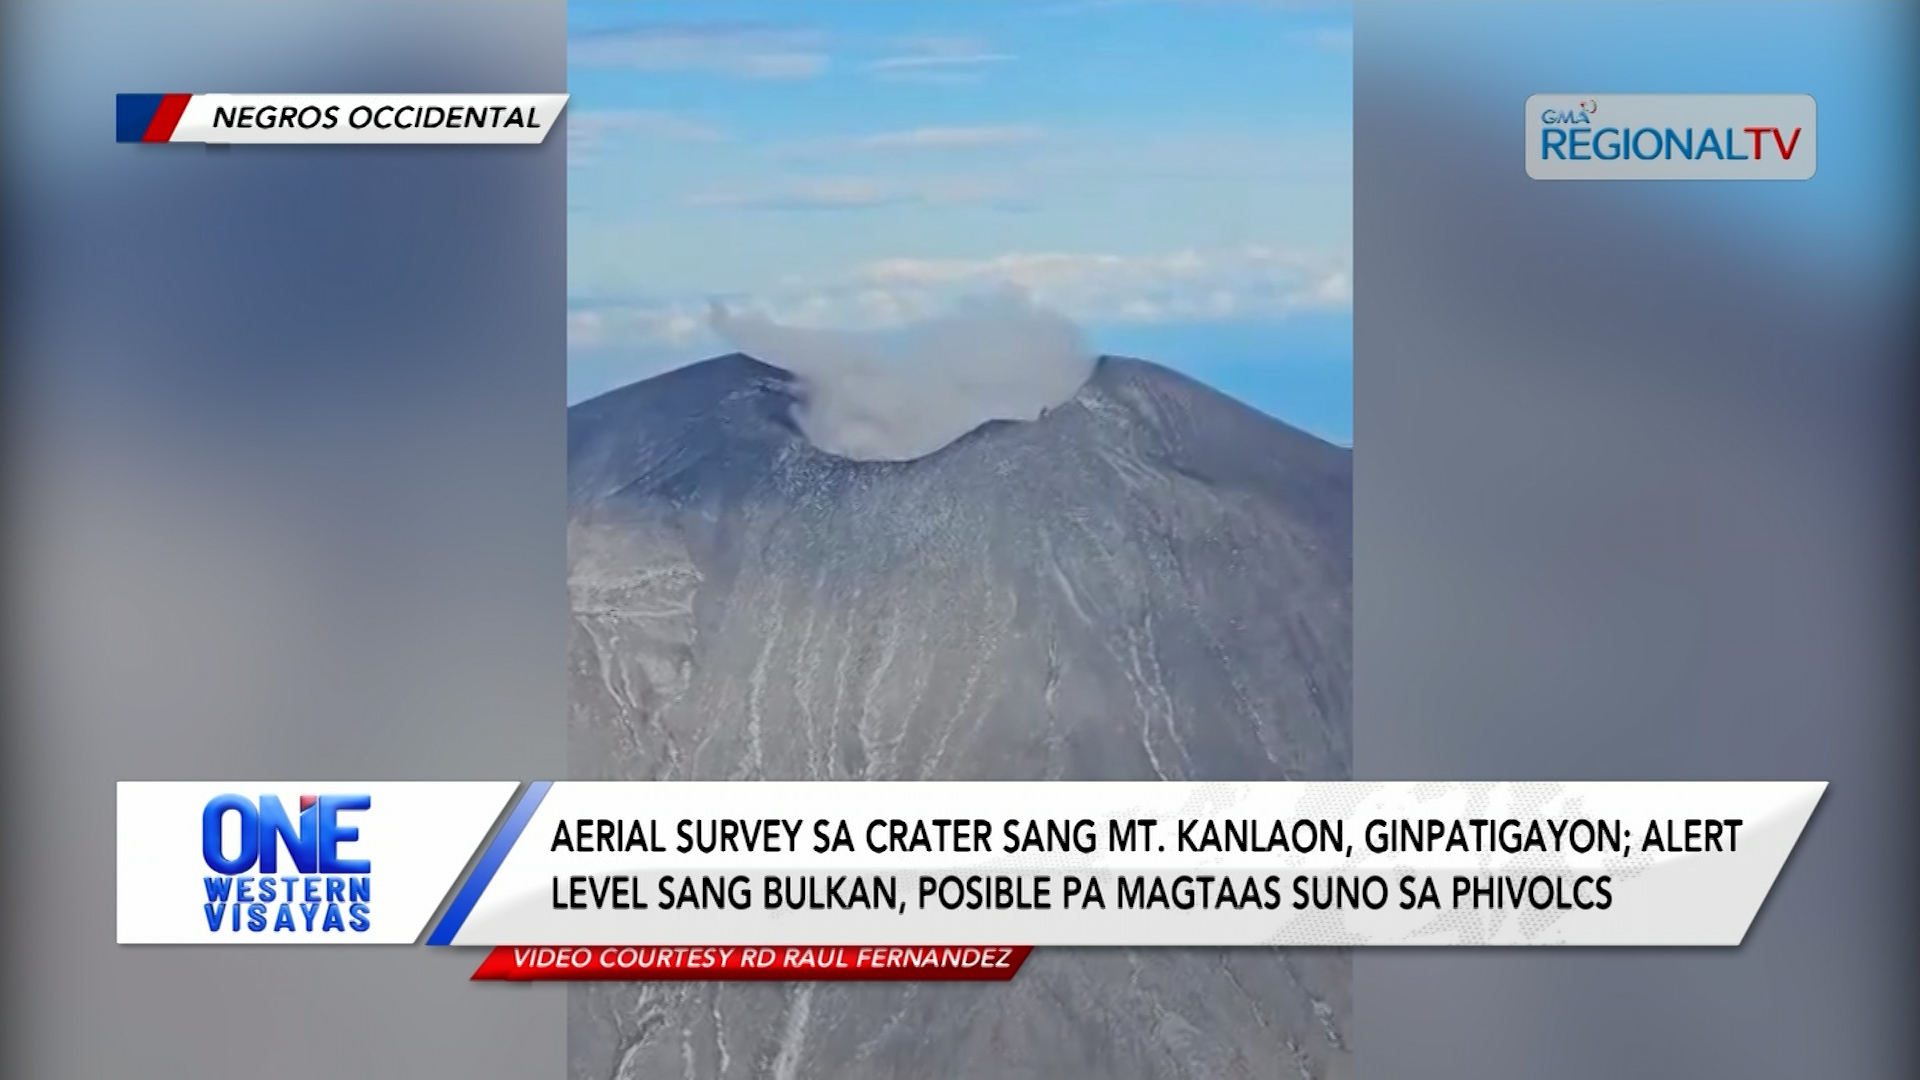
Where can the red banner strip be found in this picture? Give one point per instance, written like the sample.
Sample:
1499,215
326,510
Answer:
733,963
172,106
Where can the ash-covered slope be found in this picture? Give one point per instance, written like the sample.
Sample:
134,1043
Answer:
1150,581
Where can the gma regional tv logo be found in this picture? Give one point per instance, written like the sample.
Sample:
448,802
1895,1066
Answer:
1671,137
279,872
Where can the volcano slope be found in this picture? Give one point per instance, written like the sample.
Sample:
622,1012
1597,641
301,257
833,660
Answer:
1150,581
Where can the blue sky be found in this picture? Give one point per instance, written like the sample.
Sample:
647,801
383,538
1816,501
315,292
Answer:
1174,175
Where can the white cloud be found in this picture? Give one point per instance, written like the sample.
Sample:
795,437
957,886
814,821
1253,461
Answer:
1175,286
590,132
1251,282
1079,7
857,193
925,138
663,324
743,51
830,194
905,63
938,59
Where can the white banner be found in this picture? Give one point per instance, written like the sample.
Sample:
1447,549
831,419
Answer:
293,863
362,118
1132,864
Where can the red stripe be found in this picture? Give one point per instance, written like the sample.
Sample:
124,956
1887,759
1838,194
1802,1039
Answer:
167,118
921,963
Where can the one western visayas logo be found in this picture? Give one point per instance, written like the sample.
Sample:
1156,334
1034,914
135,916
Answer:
315,888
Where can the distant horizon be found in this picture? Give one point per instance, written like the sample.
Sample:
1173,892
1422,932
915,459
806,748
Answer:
1311,390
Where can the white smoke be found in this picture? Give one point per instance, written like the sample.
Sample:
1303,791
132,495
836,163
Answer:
905,394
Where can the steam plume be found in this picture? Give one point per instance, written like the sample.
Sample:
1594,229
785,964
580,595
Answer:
903,395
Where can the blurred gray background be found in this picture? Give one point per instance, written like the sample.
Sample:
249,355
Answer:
285,498
1630,486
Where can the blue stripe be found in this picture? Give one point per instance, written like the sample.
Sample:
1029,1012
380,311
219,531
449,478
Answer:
482,875
131,115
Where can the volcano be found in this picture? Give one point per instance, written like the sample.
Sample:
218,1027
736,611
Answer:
1149,581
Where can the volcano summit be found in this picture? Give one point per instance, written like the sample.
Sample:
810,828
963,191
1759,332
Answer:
1151,580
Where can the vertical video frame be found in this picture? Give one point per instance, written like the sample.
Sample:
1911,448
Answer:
963,392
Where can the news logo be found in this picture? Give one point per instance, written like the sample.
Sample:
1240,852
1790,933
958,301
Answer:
275,873
1671,137
1582,112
